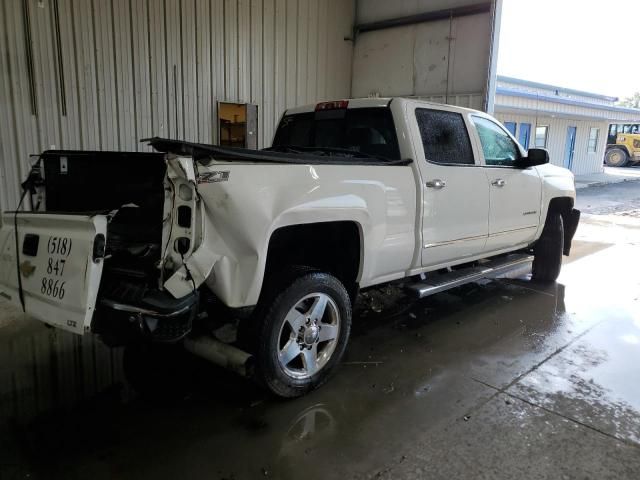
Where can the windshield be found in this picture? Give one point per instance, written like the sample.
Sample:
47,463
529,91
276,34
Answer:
369,131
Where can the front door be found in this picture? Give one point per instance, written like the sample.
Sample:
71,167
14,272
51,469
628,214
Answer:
455,192
515,193
569,147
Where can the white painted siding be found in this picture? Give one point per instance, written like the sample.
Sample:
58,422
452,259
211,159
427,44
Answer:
544,106
416,59
138,68
583,161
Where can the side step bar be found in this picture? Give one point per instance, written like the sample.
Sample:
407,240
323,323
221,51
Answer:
491,268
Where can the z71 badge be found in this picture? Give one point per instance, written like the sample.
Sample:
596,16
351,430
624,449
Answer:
213,177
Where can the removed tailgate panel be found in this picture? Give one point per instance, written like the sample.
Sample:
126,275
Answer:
60,277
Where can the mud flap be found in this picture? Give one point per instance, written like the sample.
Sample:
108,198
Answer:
570,221
59,260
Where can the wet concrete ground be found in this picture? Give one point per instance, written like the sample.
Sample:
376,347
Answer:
502,379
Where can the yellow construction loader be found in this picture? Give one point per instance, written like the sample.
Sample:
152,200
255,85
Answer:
623,145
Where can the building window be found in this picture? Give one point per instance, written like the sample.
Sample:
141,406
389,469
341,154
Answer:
525,132
511,126
541,136
594,133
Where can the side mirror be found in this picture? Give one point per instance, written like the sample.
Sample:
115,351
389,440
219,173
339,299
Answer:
535,156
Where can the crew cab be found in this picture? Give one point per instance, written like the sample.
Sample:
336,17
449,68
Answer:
167,247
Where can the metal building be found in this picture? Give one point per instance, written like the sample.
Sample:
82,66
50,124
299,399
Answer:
103,74
572,125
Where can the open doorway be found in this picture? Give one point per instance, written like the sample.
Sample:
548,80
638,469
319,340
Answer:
238,125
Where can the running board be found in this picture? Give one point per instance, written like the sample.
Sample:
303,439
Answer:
491,268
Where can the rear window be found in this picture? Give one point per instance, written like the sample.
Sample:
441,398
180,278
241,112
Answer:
365,130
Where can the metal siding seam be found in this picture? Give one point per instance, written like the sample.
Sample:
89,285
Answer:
291,74
217,64
256,64
301,76
189,31
43,71
8,138
204,73
279,101
244,52
231,50
268,72
69,124
312,51
321,79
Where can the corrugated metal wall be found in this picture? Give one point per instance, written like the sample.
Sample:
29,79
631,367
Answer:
102,74
583,161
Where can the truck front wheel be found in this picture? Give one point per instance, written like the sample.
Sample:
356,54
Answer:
616,157
547,252
303,335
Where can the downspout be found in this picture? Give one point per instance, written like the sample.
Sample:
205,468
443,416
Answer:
490,94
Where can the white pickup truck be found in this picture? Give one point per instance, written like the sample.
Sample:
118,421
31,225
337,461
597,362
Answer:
164,247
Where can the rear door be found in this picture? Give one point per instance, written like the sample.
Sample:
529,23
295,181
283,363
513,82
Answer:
59,260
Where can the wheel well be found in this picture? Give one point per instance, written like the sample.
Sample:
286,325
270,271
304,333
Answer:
560,204
332,247
621,147
563,206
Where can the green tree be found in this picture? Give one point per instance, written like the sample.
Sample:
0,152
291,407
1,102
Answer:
633,101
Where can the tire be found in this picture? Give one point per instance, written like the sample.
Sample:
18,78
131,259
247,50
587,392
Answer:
303,335
616,157
547,260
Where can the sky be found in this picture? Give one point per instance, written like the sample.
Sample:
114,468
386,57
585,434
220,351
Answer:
591,45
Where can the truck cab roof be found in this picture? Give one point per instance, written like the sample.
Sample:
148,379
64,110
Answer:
350,103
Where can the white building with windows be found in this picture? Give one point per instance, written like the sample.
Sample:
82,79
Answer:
572,125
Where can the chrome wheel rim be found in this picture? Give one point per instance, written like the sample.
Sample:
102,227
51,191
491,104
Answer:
308,335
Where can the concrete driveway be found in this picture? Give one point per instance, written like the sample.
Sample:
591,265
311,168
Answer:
501,379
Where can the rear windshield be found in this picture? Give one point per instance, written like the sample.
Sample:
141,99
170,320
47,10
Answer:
365,130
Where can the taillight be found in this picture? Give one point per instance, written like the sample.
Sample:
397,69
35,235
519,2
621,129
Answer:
334,105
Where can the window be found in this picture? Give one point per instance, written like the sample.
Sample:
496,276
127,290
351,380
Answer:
593,140
366,130
525,133
497,146
542,132
444,137
511,126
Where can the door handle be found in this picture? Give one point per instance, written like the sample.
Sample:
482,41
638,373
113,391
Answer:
437,184
498,183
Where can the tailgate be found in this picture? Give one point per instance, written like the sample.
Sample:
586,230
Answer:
60,263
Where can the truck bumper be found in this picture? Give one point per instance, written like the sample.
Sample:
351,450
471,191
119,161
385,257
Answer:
570,221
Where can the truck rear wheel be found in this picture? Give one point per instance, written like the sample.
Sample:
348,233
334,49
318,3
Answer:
616,157
303,335
547,259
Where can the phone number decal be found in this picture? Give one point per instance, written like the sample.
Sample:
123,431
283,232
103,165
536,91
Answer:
53,285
